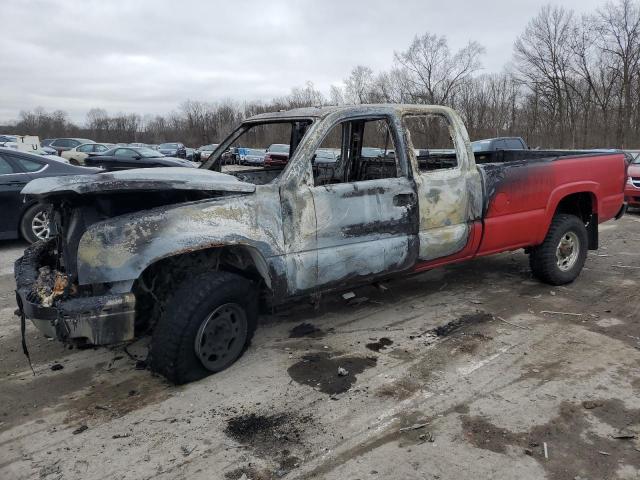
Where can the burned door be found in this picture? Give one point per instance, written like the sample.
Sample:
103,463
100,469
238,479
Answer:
365,204
448,183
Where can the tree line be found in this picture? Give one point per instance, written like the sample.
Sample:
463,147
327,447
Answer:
573,82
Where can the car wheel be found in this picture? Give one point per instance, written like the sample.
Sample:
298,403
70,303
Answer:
206,326
35,223
560,258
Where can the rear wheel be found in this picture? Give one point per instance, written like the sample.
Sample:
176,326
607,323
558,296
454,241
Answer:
560,258
35,225
206,326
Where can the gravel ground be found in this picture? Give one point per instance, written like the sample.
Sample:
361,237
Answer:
465,372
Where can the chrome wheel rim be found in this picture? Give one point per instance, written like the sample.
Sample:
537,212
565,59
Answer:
40,225
567,251
221,337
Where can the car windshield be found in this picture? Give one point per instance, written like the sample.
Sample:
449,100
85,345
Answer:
481,145
147,152
636,161
169,145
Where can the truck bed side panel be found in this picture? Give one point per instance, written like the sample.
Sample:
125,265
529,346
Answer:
522,196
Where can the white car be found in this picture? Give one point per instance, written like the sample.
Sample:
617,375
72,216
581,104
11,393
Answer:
76,155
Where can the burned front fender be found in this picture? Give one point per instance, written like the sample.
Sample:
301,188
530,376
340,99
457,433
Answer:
121,248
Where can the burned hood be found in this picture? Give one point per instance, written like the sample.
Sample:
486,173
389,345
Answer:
139,179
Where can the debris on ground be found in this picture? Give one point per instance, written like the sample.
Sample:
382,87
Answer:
56,366
121,435
624,435
342,372
551,312
80,429
348,295
591,404
186,451
463,321
512,324
427,437
415,426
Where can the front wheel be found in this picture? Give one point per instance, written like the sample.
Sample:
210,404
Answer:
206,326
560,258
35,224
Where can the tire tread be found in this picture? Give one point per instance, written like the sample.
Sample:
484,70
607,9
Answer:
542,259
171,351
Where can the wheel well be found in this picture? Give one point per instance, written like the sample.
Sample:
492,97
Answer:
583,205
160,279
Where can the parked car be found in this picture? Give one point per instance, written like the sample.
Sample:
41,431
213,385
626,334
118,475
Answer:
123,158
48,150
206,150
8,139
191,154
632,188
325,160
173,150
196,253
20,218
277,155
77,154
499,143
64,144
46,142
251,156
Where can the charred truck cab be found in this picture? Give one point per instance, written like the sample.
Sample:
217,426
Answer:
191,255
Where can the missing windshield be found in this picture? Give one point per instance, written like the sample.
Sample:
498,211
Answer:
259,152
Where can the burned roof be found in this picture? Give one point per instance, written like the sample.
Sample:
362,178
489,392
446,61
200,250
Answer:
324,111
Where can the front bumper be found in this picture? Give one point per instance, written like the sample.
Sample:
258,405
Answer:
632,197
100,320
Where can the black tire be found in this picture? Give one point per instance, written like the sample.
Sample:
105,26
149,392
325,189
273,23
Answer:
543,260
173,352
27,222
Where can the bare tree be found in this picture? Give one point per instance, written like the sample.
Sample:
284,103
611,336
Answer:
619,32
543,57
432,73
359,85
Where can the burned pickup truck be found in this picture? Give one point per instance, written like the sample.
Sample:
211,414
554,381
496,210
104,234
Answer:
193,255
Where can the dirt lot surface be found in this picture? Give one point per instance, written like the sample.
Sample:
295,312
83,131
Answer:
466,372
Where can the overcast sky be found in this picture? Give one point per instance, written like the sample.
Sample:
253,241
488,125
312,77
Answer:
148,56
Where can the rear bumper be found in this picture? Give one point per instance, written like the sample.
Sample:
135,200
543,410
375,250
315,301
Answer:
100,320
